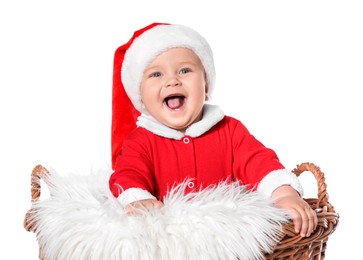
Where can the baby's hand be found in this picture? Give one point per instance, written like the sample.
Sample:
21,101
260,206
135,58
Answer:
147,203
303,216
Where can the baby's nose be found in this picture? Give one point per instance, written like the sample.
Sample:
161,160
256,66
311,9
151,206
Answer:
172,81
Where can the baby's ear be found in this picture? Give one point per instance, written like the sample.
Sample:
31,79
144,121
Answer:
206,86
206,92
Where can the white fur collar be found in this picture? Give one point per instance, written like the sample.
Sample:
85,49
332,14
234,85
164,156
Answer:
212,114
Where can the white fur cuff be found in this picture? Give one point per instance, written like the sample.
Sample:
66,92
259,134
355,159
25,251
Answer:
134,194
278,178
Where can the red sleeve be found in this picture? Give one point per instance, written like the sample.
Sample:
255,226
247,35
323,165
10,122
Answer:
133,167
252,161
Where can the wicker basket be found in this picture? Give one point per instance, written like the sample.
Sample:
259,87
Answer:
290,246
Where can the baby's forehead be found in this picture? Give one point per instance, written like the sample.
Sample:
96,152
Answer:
181,54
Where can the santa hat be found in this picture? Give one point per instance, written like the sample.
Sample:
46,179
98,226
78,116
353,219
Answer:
130,62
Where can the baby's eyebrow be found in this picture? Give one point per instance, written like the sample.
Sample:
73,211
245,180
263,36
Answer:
188,64
153,68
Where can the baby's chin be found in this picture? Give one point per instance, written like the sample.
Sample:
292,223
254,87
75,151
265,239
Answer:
181,128
179,121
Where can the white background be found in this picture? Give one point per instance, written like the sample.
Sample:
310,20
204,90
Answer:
292,71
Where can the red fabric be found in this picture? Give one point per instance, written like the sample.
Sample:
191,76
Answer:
226,152
124,114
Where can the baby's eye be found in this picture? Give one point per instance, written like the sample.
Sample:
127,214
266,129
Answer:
184,71
155,74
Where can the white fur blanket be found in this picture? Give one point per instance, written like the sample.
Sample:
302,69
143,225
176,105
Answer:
82,220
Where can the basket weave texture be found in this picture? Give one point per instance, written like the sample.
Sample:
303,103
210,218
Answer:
290,246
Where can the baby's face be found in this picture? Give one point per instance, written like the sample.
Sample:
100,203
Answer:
173,88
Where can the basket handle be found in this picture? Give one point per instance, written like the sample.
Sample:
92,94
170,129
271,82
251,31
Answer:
38,173
319,176
327,217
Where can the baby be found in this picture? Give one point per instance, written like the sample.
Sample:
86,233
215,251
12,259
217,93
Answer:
165,133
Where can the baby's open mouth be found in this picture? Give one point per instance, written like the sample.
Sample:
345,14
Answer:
175,101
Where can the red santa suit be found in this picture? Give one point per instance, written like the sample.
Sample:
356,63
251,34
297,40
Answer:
155,158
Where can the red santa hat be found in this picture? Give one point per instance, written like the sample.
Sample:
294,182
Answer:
130,62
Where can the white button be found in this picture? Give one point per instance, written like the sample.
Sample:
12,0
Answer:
186,140
191,185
